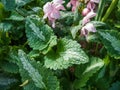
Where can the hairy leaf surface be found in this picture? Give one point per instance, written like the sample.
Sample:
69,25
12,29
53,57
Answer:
38,33
66,53
111,41
88,70
33,73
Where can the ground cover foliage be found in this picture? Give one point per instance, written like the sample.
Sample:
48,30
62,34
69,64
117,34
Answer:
40,53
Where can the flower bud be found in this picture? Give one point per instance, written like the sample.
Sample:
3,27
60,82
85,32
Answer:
85,11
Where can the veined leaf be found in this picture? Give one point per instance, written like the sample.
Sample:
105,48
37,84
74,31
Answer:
33,73
47,75
25,76
12,4
22,2
100,25
49,79
13,57
39,35
111,41
67,53
16,16
9,67
75,29
5,26
92,67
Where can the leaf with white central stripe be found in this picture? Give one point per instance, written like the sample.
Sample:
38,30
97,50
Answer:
65,54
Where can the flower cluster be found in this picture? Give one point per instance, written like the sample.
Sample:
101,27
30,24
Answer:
52,10
74,3
88,13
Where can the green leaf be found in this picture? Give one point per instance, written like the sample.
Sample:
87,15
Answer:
12,4
115,86
22,2
118,4
33,73
34,53
77,15
9,67
48,78
40,35
5,82
25,76
111,41
67,18
53,42
89,69
9,4
74,30
101,84
65,54
2,11
100,25
16,16
13,57
5,26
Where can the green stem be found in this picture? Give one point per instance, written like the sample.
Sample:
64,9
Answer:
89,88
25,43
109,10
96,49
100,10
7,34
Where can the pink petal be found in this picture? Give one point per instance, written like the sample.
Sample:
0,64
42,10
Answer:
91,5
83,32
73,8
53,23
69,4
85,20
55,14
90,15
45,16
90,27
58,1
85,11
48,7
60,7
74,4
95,1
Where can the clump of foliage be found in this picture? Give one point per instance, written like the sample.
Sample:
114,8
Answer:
39,52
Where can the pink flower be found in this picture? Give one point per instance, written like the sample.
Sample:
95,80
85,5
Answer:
95,1
85,11
91,5
89,13
87,18
89,27
58,1
52,11
74,4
